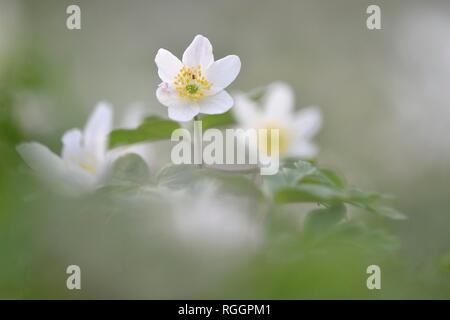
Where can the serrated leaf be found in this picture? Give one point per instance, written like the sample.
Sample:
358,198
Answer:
322,220
152,129
332,177
236,184
388,212
323,194
289,176
308,193
182,176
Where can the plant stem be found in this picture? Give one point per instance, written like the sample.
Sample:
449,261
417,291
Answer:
198,140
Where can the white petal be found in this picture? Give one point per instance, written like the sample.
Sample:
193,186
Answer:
133,116
72,145
199,52
279,101
183,112
51,168
308,122
168,65
167,95
97,130
180,109
303,149
245,110
41,159
222,72
216,104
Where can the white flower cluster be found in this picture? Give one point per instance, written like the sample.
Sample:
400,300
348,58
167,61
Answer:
194,85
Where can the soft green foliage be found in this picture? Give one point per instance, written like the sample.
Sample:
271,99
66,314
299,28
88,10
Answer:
152,129
302,181
129,169
181,176
320,220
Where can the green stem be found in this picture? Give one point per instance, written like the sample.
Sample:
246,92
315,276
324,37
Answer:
198,139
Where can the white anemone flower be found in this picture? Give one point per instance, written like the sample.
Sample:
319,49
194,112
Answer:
196,84
296,128
84,158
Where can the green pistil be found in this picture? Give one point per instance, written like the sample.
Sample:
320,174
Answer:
192,88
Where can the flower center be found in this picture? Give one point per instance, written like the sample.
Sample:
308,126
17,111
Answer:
192,88
87,162
191,83
88,167
282,144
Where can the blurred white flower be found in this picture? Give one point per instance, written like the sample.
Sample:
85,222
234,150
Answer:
84,160
212,221
196,84
296,129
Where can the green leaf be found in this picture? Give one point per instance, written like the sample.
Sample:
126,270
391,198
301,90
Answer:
308,193
130,169
184,175
236,184
289,176
326,177
218,120
332,177
177,176
388,212
152,129
322,220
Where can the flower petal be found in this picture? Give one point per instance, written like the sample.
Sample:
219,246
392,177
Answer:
179,109
245,110
222,72
52,169
72,145
97,130
167,95
279,101
308,122
168,65
199,52
183,112
216,104
39,158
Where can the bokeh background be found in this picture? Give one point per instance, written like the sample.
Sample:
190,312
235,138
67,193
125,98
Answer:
386,104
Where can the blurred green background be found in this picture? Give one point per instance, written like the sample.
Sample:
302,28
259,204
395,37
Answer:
385,100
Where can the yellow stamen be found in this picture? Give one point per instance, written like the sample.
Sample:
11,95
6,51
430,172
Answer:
191,83
283,142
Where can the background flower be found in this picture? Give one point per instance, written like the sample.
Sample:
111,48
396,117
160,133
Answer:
83,160
296,128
